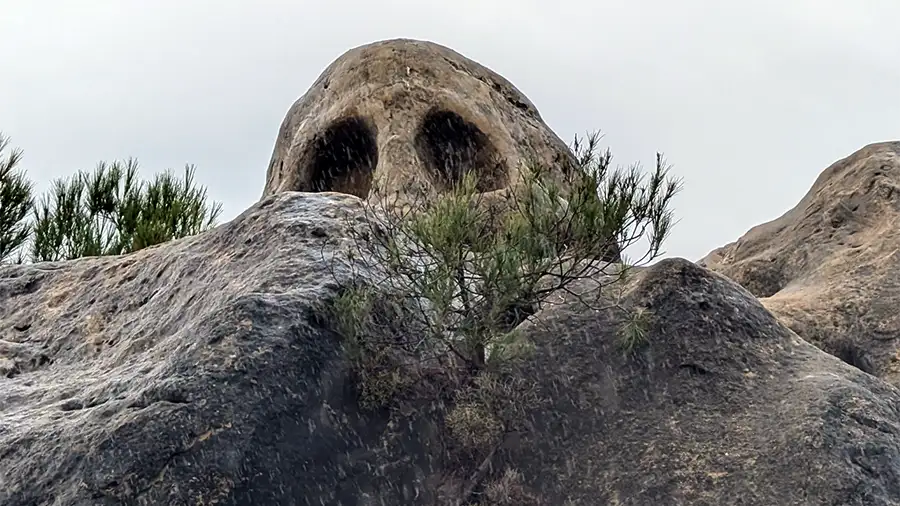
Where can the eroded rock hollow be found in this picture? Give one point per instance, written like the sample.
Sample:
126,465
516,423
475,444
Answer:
413,113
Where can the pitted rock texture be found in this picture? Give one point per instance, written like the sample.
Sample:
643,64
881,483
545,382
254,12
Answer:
202,371
830,267
413,115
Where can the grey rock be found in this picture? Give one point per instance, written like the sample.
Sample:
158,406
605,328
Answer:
194,372
207,371
202,371
724,405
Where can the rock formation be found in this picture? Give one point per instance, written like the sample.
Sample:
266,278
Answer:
724,406
413,113
829,268
202,371
208,370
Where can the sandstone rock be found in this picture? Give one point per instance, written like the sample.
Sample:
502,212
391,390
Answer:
414,113
203,371
397,121
830,267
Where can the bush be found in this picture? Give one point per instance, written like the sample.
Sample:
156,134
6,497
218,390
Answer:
509,489
111,212
104,212
457,271
475,265
15,202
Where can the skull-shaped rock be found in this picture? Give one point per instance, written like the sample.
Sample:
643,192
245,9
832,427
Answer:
409,114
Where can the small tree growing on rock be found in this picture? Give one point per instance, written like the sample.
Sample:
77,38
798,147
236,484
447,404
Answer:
472,265
111,212
15,202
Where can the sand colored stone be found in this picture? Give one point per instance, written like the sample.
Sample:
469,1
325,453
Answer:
830,267
412,114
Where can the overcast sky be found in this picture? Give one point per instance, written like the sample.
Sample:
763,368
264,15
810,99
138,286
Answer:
748,100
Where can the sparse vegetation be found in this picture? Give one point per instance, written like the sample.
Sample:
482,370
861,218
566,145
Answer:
105,212
15,202
376,360
472,265
458,271
633,332
111,212
509,489
474,425
488,407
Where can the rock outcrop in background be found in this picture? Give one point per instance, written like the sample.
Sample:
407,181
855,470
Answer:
207,371
829,268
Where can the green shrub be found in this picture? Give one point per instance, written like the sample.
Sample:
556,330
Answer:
466,267
15,202
110,212
475,265
105,212
633,332
381,377
509,489
474,425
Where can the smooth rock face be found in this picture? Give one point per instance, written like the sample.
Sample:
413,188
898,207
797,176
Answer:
413,114
202,371
830,267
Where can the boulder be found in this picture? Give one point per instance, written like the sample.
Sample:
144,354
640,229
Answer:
412,115
212,370
397,122
723,405
195,372
206,371
829,268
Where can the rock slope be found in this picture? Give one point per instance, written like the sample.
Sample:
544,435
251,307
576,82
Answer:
723,406
202,371
830,267
195,372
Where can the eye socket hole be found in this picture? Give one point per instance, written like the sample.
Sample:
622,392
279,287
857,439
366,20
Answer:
344,158
449,147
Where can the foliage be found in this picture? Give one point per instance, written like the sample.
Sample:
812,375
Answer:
105,212
491,405
474,425
633,333
464,268
15,202
474,265
110,212
509,489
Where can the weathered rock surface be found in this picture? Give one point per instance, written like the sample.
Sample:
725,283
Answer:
202,371
206,370
196,372
413,114
830,267
724,406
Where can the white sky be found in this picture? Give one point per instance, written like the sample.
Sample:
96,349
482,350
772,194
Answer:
748,100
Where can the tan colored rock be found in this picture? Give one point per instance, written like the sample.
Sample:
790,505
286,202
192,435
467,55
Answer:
414,113
830,267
